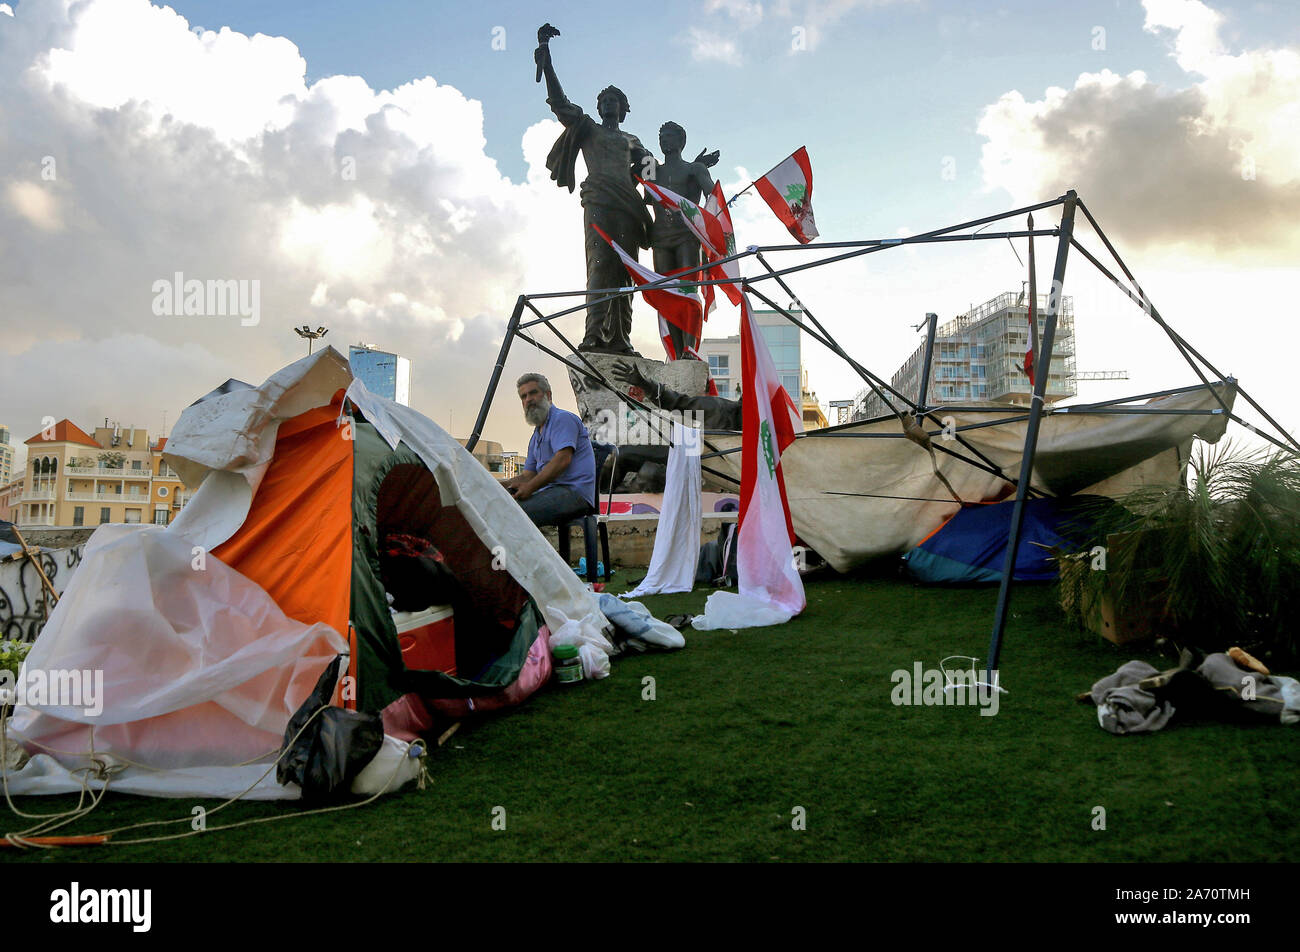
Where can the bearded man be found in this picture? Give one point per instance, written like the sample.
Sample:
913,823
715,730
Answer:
559,478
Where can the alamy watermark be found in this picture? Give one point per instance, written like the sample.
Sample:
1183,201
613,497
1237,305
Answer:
945,686
37,687
215,297
628,426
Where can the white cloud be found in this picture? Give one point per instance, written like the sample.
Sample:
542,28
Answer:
6,9
746,13
37,205
375,213
707,46
1210,165
818,16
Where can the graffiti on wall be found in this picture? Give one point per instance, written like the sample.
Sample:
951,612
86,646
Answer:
24,603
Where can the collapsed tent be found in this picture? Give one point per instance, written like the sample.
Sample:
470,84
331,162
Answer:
971,547
309,517
859,491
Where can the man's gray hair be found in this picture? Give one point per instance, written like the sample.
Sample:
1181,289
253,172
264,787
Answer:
539,379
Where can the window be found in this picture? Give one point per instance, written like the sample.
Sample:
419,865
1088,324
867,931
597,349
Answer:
133,516
78,515
103,515
135,464
160,517
719,364
162,492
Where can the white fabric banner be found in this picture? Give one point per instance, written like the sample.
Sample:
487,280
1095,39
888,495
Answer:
677,537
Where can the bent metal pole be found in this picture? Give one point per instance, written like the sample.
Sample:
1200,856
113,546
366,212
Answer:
496,375
1054,299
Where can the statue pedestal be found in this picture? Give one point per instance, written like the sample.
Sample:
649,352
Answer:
690,377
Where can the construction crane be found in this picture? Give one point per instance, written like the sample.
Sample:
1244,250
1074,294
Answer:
1100,375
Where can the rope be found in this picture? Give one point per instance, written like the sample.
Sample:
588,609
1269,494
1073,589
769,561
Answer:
913,430
104,771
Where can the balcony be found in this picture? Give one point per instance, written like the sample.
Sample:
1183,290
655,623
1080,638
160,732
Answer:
107,499
38,495
108,471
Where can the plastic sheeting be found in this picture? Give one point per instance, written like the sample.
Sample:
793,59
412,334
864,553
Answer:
201,670
677,537
826,476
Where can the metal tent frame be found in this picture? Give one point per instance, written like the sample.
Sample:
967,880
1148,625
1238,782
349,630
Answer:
1069,203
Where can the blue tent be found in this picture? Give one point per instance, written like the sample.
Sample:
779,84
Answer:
972,545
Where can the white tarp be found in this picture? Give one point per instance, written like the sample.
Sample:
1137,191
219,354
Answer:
857,498
201,669
677,536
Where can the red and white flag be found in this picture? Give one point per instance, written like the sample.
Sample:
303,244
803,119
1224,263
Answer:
1033,300
1029,351
724,238
678,305
787,189
770,590
711,224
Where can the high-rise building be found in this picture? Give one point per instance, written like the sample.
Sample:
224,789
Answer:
979,357
6,457
382,372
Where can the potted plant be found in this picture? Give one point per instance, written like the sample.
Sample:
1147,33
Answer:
1211,564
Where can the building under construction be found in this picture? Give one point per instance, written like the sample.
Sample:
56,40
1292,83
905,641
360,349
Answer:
980,356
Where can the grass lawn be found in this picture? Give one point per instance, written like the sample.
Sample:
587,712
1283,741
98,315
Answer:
747,726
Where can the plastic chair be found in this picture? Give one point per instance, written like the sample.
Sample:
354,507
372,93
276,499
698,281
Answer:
594,521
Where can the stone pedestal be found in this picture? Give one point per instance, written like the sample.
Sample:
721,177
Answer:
690,377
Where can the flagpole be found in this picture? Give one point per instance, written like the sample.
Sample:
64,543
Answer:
1033,294
763,176
1054,300
731,201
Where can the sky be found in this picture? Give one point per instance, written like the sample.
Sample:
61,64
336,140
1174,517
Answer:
380,170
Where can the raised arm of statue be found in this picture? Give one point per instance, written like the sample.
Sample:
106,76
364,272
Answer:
564,110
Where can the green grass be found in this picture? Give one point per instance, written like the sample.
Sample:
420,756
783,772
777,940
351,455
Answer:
747,726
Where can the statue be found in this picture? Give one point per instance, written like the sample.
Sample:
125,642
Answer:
675,246
609,197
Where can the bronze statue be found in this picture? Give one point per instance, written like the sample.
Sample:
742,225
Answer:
675,246
609,196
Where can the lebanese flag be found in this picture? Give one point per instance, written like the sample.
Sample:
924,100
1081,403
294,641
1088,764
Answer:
674,305
692,214
787,189
723,237
770,590
1033,300
1029,352
711,224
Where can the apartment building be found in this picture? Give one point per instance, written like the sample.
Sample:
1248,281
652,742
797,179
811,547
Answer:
116,474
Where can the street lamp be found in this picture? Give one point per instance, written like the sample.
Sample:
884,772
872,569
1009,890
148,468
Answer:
311,335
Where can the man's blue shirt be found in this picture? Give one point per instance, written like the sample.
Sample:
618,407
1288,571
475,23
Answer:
564,429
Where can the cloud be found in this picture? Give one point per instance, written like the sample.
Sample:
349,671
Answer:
707,46
818,16
1210,166
746,13
132,148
